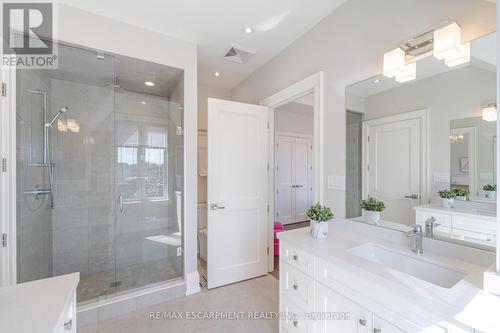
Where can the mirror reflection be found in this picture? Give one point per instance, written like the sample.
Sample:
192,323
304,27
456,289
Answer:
424,151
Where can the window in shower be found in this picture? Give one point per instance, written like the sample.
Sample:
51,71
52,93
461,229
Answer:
107,201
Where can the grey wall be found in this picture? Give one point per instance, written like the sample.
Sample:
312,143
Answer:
452,95
294,118
348,46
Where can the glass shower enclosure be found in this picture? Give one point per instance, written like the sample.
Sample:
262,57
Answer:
100,172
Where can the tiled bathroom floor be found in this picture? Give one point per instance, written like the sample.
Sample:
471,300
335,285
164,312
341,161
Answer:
260,294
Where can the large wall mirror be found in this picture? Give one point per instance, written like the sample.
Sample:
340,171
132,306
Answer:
423,152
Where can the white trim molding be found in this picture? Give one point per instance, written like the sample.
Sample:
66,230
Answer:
312,84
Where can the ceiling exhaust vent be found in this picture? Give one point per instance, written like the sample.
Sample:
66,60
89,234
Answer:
238,54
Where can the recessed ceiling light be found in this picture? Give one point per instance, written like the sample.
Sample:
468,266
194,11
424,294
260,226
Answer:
149,84
143,102
217,74
376,81
248,30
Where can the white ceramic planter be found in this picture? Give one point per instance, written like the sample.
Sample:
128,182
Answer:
319,230
448,203
461,198
490,194
371,217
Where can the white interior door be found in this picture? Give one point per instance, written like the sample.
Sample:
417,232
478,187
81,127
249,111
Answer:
293,178
284,179
303,177
238,144
393,170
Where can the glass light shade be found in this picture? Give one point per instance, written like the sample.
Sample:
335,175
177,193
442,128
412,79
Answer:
447,41
409,73
394,62
490,113
462,57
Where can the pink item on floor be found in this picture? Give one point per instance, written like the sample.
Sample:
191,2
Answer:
278,227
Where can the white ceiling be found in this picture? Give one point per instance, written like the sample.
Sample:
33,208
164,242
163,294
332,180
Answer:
215,24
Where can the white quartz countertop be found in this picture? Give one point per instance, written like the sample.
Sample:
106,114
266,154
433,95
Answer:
465,302
469,212
36,306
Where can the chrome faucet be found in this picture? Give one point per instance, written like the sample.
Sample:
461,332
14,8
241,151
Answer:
416,235
430,225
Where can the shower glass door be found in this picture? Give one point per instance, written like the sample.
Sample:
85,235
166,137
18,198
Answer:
112,207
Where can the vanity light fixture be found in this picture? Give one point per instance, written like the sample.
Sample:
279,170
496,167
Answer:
457,138
448,45
149,83
395,66
216,74
490,113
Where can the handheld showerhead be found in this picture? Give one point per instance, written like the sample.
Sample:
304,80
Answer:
61,111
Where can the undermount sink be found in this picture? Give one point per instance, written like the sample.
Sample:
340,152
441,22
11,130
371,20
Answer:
420,268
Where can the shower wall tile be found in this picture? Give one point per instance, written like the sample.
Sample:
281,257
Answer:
70,250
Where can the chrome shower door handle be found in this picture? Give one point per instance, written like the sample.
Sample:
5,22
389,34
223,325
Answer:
120,201
413,196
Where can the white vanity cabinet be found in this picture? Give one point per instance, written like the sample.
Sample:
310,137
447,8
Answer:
477,228
313,301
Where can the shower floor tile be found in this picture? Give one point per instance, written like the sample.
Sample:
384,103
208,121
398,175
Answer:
131,277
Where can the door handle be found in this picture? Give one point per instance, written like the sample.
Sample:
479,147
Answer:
216,207
120,201
413,196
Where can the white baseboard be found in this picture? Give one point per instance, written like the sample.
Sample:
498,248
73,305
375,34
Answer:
192,283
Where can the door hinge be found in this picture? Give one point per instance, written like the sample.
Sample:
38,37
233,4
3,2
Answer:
368,167
4,164
368,138
277,191
267,125
267,166
4,89
277,214
268,208
4,240
267,249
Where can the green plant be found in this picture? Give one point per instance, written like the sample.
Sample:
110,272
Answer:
490,187
320,213
460,192
445,194
372,204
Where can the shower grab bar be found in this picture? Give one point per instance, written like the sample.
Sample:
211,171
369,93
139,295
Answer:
37,192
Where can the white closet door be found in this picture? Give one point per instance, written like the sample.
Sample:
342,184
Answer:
293,178
302,168
284,178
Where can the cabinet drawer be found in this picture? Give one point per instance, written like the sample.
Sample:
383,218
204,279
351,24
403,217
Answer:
297,258
381,326
475,225
297,286
67,323
294,319
471,236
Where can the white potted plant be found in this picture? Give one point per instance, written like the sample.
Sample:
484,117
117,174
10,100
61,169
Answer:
371,210
320,216
461,194
447,198
490,191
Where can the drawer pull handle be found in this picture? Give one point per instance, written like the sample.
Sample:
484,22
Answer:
295,286
295,257
377,330
295,323
362,322
67,325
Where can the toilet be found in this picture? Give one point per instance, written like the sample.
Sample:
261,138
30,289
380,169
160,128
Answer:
202,231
